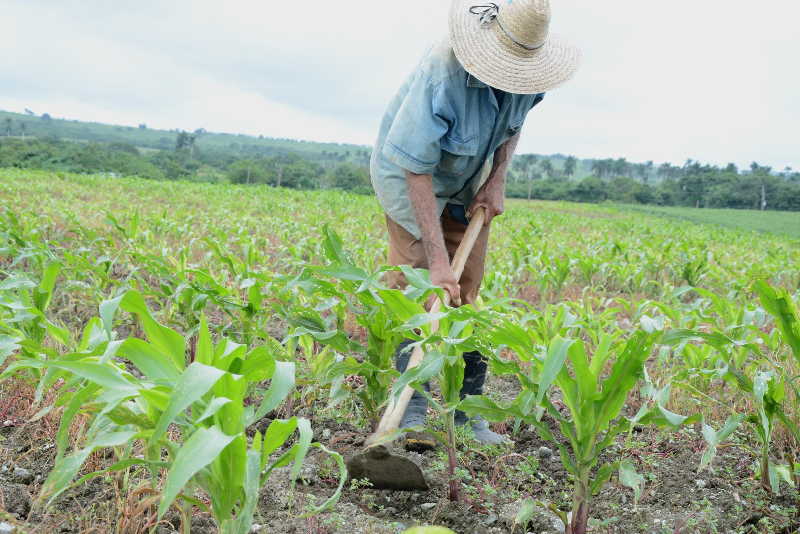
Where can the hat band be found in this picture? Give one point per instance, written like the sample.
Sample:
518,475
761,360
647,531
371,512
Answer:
489,14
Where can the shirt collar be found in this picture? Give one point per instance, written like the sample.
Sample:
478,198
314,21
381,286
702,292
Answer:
472,81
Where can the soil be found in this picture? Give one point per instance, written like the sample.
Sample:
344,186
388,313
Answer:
676,498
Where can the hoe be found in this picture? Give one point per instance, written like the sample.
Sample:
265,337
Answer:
376,462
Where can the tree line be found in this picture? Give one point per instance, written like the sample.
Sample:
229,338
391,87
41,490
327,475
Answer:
188,161
533,177
693,184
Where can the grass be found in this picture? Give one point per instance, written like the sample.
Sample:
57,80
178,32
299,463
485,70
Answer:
774,222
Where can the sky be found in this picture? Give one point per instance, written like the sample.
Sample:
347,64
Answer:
711,80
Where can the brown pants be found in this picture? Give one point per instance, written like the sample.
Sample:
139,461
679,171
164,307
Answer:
404,249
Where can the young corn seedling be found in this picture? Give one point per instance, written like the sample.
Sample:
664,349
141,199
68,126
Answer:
593,402
446,336
205,401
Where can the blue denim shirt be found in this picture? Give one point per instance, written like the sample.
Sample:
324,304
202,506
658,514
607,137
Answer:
446,123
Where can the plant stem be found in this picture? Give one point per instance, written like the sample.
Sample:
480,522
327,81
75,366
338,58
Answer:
453,484
580,508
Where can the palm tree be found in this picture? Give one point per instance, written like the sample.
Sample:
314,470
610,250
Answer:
529,164
547,167
8,126
569,166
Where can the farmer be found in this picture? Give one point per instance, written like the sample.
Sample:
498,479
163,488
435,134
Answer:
444,147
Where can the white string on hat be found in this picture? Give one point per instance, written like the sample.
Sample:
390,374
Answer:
489,15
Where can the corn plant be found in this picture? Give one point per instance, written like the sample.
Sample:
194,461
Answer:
445,336
204,401
593,399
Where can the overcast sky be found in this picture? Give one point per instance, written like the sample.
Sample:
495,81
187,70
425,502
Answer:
715,80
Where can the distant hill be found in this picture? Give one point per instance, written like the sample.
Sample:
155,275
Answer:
140,136
143,137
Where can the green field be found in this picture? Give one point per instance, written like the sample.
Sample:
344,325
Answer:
775,222
176,355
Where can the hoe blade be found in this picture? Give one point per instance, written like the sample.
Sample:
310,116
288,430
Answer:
386,471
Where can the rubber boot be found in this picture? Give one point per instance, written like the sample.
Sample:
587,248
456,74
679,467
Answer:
474,377
417,409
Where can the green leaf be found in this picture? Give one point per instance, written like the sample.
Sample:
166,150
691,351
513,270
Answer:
553,363
303,444
714,439
630,478
525,512
213,407
104,375
281,384
153,363
430,366
330,501
67,467
197,452
602,476
75,403
205,350
400,305
108,308
44,292
779,304
195,382
259,365
165,339
277,434
8,346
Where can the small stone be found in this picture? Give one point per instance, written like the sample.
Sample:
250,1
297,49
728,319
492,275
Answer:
255,527
8,422
491,519
308,475
326,434
387,512
22,475
428,505
701,484
544,453
7,528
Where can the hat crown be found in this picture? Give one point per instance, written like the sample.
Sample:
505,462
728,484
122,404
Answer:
526,21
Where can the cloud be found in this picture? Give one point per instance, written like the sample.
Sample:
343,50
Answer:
708,80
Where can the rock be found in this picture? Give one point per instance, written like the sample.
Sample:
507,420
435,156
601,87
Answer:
490,520
7,528
544,453
22,476
387,512
701,484
16,499
326,434
428,505
255,527
308,474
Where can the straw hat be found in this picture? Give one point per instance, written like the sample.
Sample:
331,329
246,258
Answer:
507,45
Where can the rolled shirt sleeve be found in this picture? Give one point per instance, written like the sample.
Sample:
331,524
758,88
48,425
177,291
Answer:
414,139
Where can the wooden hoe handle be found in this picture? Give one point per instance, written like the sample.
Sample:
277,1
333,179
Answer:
394,412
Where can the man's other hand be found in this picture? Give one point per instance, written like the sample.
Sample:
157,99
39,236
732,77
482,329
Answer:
492,197
443,276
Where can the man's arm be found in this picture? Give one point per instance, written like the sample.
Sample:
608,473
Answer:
420,192
492,194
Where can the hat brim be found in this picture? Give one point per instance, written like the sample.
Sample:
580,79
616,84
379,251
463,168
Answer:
492,57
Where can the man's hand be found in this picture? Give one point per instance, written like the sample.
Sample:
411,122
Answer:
442,275
492,197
